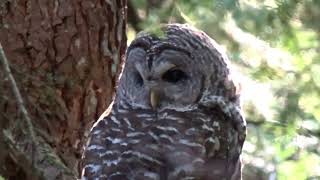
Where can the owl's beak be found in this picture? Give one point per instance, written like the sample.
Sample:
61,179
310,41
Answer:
154,99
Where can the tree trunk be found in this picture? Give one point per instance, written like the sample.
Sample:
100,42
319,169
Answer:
64,57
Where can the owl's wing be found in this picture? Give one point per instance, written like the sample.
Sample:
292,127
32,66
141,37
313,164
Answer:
231,112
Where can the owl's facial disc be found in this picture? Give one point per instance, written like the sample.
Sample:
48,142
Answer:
171,80
165,73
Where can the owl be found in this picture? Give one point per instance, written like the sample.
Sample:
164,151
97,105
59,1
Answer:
176,113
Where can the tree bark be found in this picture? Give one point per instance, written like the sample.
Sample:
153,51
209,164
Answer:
64,57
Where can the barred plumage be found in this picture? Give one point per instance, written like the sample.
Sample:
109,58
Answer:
176,114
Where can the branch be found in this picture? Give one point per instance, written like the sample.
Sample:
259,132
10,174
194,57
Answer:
133,17
301,130
18,96
44,163
17,153
274,57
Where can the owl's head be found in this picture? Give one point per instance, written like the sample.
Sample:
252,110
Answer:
174,71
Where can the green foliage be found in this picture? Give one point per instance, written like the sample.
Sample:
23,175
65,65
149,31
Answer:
275,44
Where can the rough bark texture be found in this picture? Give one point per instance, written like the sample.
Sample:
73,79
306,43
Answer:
64,56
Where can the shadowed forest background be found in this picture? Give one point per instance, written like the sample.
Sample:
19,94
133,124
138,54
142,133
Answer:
64,57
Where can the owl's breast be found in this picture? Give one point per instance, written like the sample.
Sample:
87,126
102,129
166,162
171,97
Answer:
142,143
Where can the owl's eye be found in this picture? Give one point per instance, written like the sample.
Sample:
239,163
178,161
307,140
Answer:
138,78
174,75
